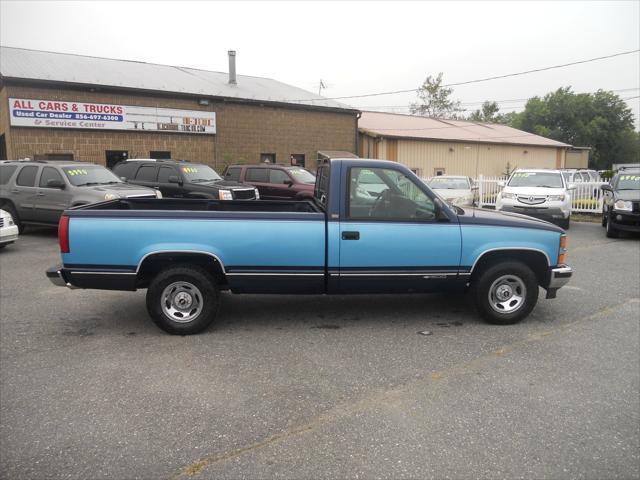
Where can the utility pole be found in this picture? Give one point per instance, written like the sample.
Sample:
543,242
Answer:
320,87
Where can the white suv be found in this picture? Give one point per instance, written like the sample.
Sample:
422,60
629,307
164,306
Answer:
539,193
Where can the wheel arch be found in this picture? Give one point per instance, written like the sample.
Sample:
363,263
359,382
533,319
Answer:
154,262
536,260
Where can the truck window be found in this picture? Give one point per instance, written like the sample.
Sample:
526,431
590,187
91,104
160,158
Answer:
257,175
49,173
5,173
27,177
386,194
146,173
233,174
278,176
164,173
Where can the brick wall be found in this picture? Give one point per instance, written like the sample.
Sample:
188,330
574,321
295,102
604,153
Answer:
243,131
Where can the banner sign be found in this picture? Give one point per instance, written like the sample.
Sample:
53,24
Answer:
28,112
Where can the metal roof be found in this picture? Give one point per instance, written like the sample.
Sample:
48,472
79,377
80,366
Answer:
416,127
20,63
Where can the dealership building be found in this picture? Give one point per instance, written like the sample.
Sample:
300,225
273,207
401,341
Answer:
62,106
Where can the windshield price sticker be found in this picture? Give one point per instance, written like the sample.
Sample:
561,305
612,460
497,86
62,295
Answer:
630,177
189,170
77,171
523,174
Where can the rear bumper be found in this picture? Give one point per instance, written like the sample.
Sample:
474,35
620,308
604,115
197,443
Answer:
91,278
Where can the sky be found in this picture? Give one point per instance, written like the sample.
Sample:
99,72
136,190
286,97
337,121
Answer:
356,47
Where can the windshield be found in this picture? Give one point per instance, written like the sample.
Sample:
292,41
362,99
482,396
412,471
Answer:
199,173
536,179
449,183
90,175
629,182
301,175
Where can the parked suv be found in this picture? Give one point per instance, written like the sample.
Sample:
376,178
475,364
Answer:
274,182
37,192
540,193
181,179
621,203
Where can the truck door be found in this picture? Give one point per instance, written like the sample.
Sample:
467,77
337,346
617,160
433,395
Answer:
392,237
24,192
51,201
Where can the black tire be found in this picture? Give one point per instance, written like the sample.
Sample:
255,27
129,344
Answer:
611,231
604,219
2,245
205,295
506,269
12,211
566,223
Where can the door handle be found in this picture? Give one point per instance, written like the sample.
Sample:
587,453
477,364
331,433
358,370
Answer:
350,235
15,190
40,194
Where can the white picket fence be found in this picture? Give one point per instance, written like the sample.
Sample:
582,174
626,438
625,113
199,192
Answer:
587,197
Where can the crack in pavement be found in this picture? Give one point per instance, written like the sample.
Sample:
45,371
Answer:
385,396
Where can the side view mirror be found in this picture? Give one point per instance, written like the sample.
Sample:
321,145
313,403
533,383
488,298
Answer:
571,186
606,187
174,179
124,179
55,184
474,187
288,182
502,183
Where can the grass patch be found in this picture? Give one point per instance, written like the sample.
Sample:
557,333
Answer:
586,217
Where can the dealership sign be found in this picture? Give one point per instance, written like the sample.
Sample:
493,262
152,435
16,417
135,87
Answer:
28,112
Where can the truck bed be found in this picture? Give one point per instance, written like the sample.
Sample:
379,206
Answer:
200,205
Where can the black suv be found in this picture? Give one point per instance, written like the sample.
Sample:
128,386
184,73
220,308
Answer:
181,179
621,205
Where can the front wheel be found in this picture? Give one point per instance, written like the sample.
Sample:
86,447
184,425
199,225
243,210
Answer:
566,223
611,231
183,300
505,293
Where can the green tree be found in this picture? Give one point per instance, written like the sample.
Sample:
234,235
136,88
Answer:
600,120
434,100
488,113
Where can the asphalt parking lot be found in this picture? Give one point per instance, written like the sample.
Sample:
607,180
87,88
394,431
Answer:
322,387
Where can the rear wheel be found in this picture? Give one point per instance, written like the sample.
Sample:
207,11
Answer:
183,300
505,293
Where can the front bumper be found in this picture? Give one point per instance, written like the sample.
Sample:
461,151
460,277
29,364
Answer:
8,234
625,220
543,213
559,277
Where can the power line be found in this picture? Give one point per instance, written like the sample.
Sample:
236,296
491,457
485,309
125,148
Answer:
497,101
476,80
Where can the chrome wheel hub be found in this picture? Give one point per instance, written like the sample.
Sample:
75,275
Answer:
507,294
181,302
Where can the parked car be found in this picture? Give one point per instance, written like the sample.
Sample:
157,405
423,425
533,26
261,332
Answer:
541,193
181,179
580,175
38,191
8,229
456,190
621,203
404,240
273,181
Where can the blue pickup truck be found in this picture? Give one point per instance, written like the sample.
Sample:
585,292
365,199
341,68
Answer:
372,227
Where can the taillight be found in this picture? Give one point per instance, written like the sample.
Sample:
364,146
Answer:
63,234
562,250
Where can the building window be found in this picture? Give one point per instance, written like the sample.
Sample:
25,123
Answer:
438,171
297,159
417,171
53,156
113,157
267,158
158,155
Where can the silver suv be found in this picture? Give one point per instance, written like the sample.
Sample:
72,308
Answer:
38,191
